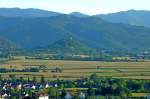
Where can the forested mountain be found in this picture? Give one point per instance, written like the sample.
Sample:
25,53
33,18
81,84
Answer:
92,31
7,44
68,45
78,14
133,17
26,13
7,47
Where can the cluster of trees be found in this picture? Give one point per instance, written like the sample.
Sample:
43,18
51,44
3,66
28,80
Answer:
96,86
99,55
72,56
110,86
4,70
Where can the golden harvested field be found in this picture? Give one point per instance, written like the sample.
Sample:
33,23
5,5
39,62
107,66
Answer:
78,69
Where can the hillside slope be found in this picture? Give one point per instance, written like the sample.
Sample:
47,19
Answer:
92,31
69,45
133,17
26,13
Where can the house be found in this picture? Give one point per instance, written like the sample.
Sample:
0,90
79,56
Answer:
2,97
34,87
19,86
47,86
5,96
56,85
44,97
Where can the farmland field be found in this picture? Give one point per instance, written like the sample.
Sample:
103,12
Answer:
79,69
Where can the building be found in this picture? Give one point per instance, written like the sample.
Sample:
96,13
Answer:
5,96
44,97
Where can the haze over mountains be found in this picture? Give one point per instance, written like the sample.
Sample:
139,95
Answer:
31,28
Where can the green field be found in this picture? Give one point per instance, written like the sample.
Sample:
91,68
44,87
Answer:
79,69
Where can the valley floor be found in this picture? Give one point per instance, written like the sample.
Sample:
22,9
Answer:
77,69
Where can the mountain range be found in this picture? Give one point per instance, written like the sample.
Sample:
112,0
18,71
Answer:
26,13
133,17
31,28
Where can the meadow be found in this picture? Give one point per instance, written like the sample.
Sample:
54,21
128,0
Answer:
79,69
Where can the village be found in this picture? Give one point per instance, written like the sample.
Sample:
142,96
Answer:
87,88
31,90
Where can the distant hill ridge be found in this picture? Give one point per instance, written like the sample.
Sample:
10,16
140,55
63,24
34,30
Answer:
90,32
26,13
133,17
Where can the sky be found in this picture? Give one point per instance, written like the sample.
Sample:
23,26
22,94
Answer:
90,7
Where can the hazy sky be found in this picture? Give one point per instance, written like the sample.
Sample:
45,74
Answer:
84,6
